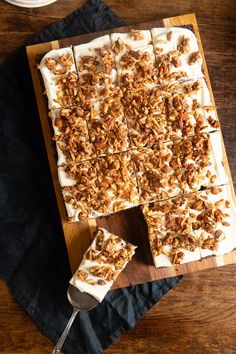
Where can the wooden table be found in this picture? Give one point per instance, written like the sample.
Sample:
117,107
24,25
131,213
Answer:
199,316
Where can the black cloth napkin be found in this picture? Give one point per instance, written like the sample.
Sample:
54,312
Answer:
33,256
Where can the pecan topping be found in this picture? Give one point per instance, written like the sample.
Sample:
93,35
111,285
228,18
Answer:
61,65
118,46
183,46
169,35
214,123
176,62
177,256
194,57
216,190
67,89
73,138
82,275
136,35
105,272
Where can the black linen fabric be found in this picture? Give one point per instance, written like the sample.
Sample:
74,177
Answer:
33,256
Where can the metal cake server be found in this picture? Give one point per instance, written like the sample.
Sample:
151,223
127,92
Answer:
79,301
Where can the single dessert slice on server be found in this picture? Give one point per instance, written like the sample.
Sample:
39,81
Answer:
105,259
60,78
99,187
107,127
193,226
96,65
182,166
71,135
177,54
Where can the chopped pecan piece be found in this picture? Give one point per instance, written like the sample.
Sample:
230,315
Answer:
211,244
82,275
176,256
104,272
169,35
194,57
214,123
216,190
136,35
51,63
183,46
176,62
218,233
118,46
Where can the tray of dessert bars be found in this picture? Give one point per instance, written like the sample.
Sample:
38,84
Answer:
135,147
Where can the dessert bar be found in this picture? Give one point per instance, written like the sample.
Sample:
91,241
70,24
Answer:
106,257
99,187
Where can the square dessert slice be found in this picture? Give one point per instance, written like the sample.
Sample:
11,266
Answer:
157,179
95,56
95,63
201,155
190,90
107,127
71,135
104,260
80,190
117,184
60,78
177,54
214,213
183,166
171,235
135,58
136,69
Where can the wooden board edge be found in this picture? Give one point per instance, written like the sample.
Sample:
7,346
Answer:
183,269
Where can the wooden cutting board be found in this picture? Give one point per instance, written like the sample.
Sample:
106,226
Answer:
129,224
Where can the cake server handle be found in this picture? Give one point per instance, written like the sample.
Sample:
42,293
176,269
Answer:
61,340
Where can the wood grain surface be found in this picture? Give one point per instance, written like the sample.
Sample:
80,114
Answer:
199,315
128,224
